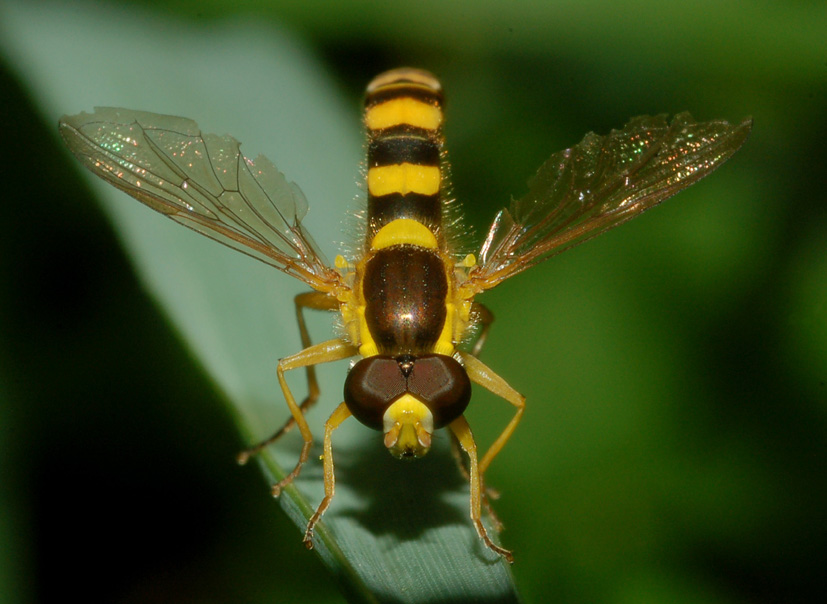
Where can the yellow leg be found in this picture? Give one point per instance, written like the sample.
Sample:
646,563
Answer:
479,373
326,352
485,318
315,301
462,431
334,421
487,492
332,350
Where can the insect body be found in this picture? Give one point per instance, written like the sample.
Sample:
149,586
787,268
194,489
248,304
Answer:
407,297
404,308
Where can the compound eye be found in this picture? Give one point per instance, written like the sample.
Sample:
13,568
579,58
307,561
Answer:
371,386
442,383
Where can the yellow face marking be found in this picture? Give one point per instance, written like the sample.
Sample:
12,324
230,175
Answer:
408,425
404,178
404,110
402,231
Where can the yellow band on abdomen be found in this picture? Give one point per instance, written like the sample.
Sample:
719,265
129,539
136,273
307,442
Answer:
404,178
404,231
405,110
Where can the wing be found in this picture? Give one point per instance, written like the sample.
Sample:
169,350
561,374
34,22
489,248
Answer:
203,182
598,184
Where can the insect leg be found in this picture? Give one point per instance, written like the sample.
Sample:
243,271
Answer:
334,421
485,318
479,373
487,492
332,350
462,432
316,301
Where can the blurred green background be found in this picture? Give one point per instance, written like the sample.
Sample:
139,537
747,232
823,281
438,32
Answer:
673,449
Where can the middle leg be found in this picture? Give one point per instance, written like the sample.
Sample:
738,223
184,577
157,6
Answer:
315,301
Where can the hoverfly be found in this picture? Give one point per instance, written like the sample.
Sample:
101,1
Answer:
407,297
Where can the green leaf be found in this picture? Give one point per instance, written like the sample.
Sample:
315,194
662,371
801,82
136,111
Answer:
394,531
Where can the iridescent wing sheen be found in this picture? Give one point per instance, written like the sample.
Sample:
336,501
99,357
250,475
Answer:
598,184
203,182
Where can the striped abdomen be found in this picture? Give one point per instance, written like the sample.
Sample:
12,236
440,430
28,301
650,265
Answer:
403,116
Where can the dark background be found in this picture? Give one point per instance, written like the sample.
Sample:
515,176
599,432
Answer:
674,445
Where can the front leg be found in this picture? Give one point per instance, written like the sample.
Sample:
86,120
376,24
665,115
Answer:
462,431
326,352
481,374
334,421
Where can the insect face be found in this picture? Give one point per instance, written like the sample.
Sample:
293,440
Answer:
407,397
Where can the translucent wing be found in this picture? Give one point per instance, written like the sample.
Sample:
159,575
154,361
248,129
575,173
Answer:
598,184
201,181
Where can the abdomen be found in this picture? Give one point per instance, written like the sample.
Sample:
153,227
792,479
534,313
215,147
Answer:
403,117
